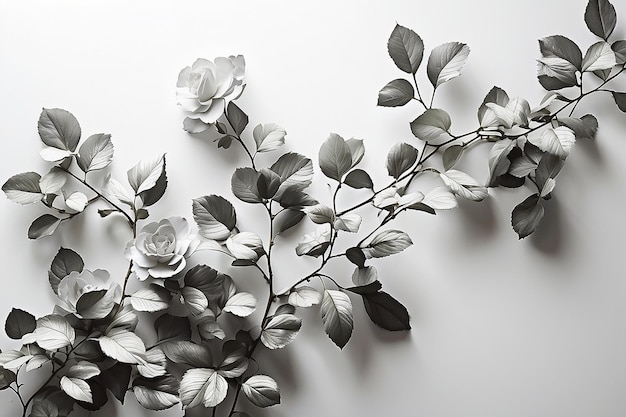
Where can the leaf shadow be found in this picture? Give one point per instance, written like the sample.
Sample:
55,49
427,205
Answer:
549,237
478,218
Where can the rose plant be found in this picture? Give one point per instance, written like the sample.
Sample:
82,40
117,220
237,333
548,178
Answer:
200,357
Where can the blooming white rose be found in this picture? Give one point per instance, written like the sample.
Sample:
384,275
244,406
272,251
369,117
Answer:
314,244
160,249
89,295
205,89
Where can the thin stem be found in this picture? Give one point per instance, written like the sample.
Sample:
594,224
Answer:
419,96
241,142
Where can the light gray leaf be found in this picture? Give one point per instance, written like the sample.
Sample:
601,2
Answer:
58,128
463,185
320,214
522,166
561,47
144,175
445,62
496,95
364,276
406,49
388,242
156,393
241,304
23,188
357,150
54,332
77,389
304,297
261,390
281,330
431,125
202,386
599,57
337,316
151,298
268,137
123,346
335,158
95,153
396,93
498,159
558,141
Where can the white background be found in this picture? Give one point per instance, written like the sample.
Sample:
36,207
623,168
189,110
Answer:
501,327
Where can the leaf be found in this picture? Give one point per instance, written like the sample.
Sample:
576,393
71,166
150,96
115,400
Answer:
187,352
304,297
235,361
54,332
431,125
158,393
295,171
364,275
396,93
241,304
286,220
445,62
116,379
268,183
144,176
350,222
123,346
281,330
498,159
356,256
388,242
334,157
486,116
261,390
53,181
19,323
548,168
357,150
619,47
386,312
584,128
599,57
244,185
527,215
601,18
439,198
76,201
124,318
51,154
268,137
114,190
357,178
337,317
516,112
151,298
202,386
236,117
463,185
23,188
169,327
406,49
154,365
400,159
210,329
320,214
558,141
154,194
59,129
6,378
95,153
215,216
195,300
451,155
620,100
522,166
561,47
77,389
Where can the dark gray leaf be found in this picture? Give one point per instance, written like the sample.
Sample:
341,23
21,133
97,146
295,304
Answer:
169,327
236,117
406,49
158,393
295,172
584,128
187,352
116,380
59,129
527,215
215,216
268,183
620,100
19,323
244,185
335,158
386,311
207,280
561,47
357,178
423,207
286,220
600,18
6,378
400,159
295,199
95,153
451,155
371,288
619,47
549,167
553,83
154,194
64,262
356,256
44,225
396,93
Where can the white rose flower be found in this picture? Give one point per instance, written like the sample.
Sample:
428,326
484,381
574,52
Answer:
160,249
205,89
89,295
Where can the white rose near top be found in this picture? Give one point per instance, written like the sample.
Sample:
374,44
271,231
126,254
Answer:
205,89
160,249
90,295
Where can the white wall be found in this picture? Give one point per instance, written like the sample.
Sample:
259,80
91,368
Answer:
501,327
